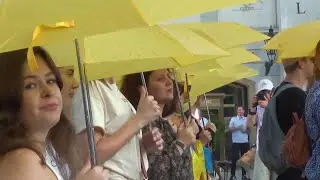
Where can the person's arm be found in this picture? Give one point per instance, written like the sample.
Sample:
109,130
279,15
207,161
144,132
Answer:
161,162
109,144
171,158
251,122
168,160
24,164
232,128
106,144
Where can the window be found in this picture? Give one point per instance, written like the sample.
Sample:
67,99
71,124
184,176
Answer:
235,95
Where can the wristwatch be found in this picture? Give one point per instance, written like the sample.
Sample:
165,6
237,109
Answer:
181,144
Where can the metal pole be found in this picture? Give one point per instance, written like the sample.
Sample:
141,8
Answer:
208,111
189,101
144,83
87,107
178,92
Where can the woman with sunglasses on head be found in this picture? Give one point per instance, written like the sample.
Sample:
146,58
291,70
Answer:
37,140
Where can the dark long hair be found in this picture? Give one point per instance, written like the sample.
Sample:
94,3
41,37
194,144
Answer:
12,129
130,89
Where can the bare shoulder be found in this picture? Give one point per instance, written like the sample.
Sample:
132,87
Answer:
23,164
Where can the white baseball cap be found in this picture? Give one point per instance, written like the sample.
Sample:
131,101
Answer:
264,84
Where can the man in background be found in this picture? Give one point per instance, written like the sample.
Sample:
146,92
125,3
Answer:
240,140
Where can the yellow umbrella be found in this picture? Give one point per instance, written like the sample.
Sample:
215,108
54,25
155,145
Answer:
303,48
208,80
299,41
285,37
149,42
46,24
237,56
160,11
225,34
22,17
118,68
140,60
134,50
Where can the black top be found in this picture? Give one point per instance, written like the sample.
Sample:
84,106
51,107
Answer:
289,101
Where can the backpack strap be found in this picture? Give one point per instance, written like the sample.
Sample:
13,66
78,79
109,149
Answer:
280,89
272,109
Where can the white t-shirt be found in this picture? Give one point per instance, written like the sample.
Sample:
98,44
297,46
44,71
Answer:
110,110
260,112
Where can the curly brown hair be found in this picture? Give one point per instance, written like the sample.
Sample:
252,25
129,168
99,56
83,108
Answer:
12,129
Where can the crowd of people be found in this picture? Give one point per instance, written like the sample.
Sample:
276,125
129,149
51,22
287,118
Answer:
43,131
285,119
141,132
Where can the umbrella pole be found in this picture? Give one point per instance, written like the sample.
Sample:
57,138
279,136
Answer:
178,92
144,83
87,106
189,100
208,111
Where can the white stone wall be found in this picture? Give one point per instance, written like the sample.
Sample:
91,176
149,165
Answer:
281,14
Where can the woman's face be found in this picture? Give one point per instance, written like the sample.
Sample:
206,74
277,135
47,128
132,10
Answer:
160,85
70,85
41,98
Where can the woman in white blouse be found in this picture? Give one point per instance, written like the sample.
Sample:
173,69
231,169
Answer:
120,145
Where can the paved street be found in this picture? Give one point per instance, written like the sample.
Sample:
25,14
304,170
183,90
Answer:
238,174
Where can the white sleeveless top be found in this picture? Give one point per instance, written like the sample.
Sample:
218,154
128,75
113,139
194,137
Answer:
51,163
110,110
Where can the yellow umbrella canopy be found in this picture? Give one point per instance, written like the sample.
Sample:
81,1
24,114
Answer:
225,34
297,33
149,42
22,17
160,11
238,55
144,58
208,80
296,49
134,50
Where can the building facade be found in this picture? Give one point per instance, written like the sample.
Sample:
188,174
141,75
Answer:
280,14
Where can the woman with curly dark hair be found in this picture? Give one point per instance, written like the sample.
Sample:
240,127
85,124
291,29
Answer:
37,140
174,162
